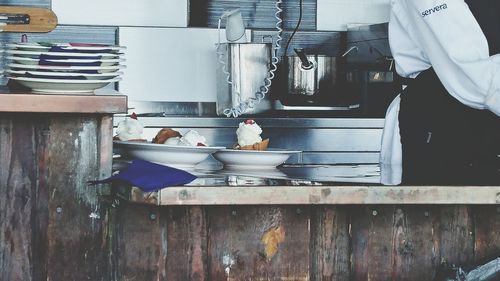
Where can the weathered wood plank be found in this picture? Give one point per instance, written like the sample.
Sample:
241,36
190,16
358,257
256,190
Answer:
258,243
40,244
414,243
486,233
324,195
140,250
74,236
330,243
29,102
186,241
47,227
456,235
18,203
372,244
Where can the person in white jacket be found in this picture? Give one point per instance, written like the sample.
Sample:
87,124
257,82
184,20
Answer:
444,128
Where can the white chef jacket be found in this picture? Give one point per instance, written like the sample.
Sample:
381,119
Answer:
445,35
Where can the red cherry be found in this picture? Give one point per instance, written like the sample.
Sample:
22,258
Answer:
249,122
133,116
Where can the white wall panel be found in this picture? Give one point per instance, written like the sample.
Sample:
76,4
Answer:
170,64
335,15
171,13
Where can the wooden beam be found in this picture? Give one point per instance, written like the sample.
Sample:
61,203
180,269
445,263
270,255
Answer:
325,195
110,103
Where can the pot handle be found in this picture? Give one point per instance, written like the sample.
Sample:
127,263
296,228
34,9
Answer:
306,64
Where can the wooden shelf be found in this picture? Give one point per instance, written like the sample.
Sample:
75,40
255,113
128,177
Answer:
104,102
322,195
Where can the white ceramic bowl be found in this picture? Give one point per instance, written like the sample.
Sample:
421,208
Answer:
252,159
170,155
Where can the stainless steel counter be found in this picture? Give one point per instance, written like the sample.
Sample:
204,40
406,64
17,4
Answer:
267,122
322,140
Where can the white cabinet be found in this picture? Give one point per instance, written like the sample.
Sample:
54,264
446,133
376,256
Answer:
335,15
173,13
170,64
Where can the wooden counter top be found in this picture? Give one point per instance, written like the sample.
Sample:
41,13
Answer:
108,102
319,195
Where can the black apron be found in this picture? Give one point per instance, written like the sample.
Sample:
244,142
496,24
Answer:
445,142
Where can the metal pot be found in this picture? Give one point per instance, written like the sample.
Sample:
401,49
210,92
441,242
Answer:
311,78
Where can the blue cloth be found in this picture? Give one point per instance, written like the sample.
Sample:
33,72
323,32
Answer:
150,176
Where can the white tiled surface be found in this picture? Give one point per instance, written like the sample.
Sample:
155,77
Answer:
171,13
334,15
170,64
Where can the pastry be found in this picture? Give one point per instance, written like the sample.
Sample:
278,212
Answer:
256,146
172,137
164,134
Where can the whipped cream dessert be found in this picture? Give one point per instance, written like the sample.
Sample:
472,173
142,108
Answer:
191,138
248,133
129,129
173,141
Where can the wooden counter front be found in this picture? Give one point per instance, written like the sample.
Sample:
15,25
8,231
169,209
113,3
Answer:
109,102
52,223
308,233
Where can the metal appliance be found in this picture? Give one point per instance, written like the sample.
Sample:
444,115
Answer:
248,66
311,78
246,70
315,81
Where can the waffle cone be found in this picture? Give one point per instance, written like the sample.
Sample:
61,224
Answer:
257,146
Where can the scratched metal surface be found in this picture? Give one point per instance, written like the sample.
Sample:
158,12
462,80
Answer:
256,14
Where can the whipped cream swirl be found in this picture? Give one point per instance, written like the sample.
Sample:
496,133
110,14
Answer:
248,133
129,129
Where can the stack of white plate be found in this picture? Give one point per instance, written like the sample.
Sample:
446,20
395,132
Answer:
64,67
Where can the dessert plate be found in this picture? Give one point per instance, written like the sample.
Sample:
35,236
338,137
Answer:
36,54
63,75
67,68
55,86
66,62
171,155
253,159
67,47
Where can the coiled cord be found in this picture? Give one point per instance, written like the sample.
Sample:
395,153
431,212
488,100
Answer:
245,105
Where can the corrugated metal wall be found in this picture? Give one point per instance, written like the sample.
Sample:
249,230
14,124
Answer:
259,15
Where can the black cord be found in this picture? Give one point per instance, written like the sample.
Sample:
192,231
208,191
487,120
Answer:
296,27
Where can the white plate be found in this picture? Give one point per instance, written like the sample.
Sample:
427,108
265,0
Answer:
67,68
252,159
68,46
52,74
32,61
36,54
55,86
170,155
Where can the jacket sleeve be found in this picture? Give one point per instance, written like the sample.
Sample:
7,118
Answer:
456,47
